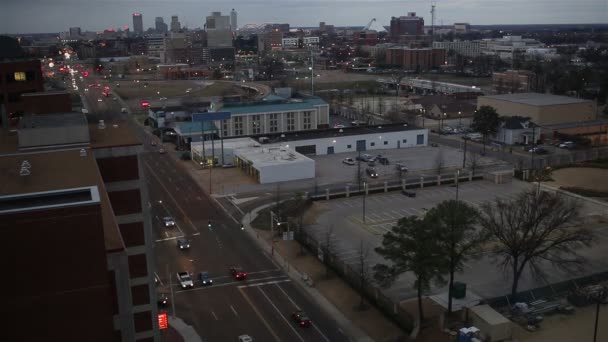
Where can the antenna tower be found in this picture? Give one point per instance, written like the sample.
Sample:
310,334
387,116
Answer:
433,22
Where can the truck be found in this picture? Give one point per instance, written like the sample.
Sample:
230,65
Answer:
185,280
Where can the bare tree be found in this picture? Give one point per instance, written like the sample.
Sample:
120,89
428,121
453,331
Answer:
363,271
473,162
439,162
328,248
533,229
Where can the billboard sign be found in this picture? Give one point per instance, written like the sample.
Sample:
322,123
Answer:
162,320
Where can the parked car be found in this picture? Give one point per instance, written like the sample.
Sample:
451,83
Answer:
474,136
123,110
371,172
434,145
339,126
538,150
368,157
408,193
245,338
401,167
162,151
566,144
348,161
371,163
383,160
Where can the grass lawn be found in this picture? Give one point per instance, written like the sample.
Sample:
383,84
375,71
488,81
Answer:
169,89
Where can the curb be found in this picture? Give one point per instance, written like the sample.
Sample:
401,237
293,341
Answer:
353,332
185,330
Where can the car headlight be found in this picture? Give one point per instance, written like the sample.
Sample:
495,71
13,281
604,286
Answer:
181,247
211,281
183,285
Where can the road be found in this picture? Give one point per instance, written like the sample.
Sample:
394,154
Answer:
262,305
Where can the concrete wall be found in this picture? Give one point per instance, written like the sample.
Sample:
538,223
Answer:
282,172
342,143
542,115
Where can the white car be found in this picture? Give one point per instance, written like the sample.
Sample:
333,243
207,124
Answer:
245,338
168,221
99,99
185,280
123,110
348,161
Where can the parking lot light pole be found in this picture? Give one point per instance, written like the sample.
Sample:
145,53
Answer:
457,183
364,197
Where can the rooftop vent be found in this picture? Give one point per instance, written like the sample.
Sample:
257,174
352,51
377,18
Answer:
341,130
83,152
101,124
25,168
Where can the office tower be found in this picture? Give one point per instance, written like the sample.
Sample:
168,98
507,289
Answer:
138,23
218,30
175,25
160,26
233,24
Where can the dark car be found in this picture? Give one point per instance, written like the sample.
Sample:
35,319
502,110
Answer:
301,318
162,300
408,193
183,243
383,160
205,279
238,273
371,163
372,172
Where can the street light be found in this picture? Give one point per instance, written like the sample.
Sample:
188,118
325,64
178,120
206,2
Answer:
459,119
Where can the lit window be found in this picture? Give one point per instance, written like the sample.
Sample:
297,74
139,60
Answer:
19,76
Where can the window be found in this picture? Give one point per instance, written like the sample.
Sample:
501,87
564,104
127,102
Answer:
274,123
291,121
225,131
256,123
349,146
373,144
30,75
404,141
420,139
20,76
307,120
386,143
238,125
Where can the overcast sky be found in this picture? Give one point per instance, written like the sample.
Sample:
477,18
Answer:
33,16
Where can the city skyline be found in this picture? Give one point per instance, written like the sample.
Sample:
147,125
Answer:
117,14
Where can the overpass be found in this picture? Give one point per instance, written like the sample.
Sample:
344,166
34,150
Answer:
434,86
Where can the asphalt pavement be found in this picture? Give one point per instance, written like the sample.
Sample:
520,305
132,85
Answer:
260,306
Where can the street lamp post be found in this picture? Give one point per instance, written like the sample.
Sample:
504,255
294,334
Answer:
459,119
364,197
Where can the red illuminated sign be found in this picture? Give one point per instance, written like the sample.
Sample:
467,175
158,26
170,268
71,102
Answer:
163,323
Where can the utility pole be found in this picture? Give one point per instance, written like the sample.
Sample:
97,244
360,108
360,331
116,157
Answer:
364,197
464,155
312,72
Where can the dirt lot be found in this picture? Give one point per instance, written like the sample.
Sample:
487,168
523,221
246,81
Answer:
581,177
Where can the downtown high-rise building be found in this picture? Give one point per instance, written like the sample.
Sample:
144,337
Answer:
160,26
138,23
218,29
233,24
175,25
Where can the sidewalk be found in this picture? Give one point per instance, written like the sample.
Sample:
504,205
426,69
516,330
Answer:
333,294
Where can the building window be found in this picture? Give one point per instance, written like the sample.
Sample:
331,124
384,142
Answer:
404,141
238,125
30,75
307,120
420,139
386,143
256,124
291,121
274,123
349,146
20,76
373,144
225,132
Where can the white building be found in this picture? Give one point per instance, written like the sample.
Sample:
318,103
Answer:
156,45
542,53
266,164
290,41
508,46
293,41
468,48
274,115
311,40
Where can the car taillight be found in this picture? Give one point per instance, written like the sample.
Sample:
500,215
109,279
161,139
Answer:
238,275
302,323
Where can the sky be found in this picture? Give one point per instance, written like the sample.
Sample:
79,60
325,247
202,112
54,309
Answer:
37,16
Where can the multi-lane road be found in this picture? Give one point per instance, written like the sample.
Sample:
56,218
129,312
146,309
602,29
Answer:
260,306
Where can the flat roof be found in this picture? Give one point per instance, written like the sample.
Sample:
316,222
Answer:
60,170
116,134
52,120
336,132
46,93
537,99
269,156
266,106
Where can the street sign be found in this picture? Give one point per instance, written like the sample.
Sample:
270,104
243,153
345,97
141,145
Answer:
162,320
211,116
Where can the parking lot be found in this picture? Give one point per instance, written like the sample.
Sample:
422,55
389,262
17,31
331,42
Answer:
350,228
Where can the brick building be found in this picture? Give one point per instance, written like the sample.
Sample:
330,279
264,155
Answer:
74,213
513,81
17,76
416,59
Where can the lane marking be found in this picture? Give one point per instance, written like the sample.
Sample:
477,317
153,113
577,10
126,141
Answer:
257,312
265,283
214,316
195,234
224,209
235,313
170,238
224,284
298,308
280,314
158,278
171,196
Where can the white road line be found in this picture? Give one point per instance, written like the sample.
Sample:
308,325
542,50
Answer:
170,238
264,283
157,277
199,233
235,313
166,234
264,271
214,316
280,314
226,211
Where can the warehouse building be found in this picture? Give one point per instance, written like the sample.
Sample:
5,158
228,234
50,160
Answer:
542,109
